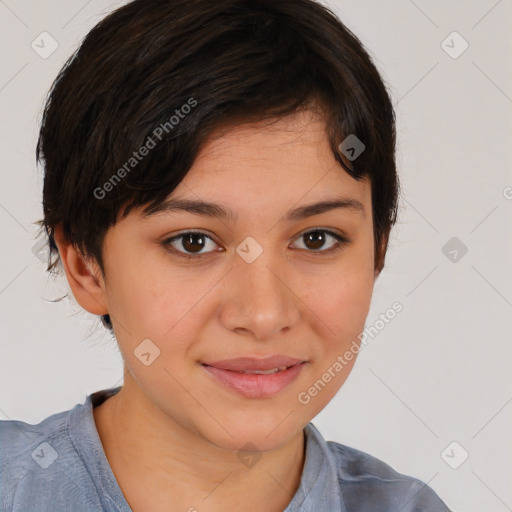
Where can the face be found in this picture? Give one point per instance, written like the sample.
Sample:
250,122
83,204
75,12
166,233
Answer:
203,319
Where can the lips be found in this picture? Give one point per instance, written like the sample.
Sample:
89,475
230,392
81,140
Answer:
253,377
266,365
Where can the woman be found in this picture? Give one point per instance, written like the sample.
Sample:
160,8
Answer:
220,186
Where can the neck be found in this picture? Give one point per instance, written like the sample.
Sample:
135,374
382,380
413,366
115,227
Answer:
157,462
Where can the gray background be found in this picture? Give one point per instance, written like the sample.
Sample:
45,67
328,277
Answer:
440,371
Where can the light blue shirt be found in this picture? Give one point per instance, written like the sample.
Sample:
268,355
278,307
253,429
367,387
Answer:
59,465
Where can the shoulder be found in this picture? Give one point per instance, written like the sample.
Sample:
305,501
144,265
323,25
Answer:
37,462
367,483
19,439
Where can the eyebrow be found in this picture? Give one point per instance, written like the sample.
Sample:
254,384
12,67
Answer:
217,211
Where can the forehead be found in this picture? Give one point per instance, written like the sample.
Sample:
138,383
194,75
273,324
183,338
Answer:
260,174
283,160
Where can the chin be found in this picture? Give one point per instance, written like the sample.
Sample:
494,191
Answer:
255,434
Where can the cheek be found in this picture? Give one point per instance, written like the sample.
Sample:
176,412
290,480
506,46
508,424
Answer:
161,306
149,296
165,303
340,299
350,301
340,306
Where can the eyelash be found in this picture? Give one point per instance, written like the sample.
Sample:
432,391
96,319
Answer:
341,242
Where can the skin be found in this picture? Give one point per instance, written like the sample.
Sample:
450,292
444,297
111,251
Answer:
172,435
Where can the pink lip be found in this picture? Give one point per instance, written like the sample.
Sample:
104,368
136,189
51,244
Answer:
241,364
228,372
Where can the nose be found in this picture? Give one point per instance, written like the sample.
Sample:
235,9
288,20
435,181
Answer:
259,299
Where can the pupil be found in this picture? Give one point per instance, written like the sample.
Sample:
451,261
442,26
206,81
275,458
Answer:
188,242
317,237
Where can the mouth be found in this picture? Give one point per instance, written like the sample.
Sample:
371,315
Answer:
256,378
265,372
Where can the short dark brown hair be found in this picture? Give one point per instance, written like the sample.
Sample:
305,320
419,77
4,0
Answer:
172,71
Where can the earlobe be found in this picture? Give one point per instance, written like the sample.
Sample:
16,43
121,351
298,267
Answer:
84,279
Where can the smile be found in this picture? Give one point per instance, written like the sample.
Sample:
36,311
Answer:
255,378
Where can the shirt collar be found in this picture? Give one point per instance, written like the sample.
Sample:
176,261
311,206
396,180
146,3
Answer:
319,487
87,442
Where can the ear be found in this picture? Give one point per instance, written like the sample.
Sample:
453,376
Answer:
84,277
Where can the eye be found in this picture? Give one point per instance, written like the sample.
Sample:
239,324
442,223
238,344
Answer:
315,240
189,244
